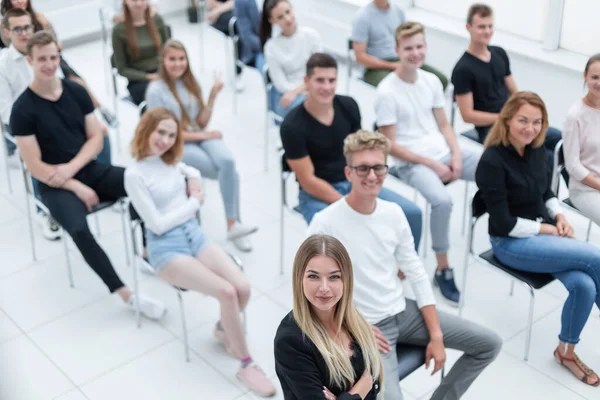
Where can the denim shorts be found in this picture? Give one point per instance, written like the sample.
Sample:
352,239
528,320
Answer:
186,239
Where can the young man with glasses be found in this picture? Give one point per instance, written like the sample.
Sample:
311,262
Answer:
376,234
410,111
313,139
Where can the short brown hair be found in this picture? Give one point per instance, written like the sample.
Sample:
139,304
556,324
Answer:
483,10
408,29
499,132
13,13
147,125
41,38
319,60
365,140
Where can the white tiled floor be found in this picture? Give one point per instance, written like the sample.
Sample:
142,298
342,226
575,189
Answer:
81,343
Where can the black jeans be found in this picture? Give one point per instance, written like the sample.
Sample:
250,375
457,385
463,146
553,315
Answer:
137,90
222,25
70,213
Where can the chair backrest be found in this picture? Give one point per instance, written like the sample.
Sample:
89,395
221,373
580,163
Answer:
233,27
478,207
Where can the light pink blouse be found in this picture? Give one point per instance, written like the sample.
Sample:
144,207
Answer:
581,144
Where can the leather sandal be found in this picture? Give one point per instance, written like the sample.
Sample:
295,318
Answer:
588,373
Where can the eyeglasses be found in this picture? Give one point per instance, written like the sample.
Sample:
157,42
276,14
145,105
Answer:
17,30
365,170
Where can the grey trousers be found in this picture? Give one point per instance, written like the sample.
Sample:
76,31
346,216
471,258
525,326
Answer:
429,184
479,344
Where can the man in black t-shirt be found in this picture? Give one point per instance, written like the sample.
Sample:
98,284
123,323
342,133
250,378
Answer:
58,137
313,139
483,81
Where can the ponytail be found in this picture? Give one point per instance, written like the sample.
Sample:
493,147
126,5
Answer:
266,28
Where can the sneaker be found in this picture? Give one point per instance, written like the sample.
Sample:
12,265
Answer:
444,281
51,230
109,117
239,230
243,244
149,308
222,338
119,207
255,379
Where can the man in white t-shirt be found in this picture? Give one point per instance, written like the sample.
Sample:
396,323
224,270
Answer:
410,112
379,241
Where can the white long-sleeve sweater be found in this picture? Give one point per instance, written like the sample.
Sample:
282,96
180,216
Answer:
287,57
158,191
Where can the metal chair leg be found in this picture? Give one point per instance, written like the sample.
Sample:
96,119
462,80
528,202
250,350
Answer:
529,322
69,269
589,230
97,222
425,230
281,222
136,259
234,43
30,224
6,166
512,287
116,108
124,228
465,207
184,325
461,305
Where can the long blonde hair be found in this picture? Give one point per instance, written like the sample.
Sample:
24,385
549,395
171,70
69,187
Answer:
341,372
499,132
188,80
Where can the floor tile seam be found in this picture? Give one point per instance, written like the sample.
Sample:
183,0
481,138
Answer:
127,362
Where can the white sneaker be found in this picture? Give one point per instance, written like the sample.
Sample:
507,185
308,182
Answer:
243,244
149,308
239,230
119,207
51,230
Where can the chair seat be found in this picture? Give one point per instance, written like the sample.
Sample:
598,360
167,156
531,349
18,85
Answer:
410,358
103,205
536,281
471,135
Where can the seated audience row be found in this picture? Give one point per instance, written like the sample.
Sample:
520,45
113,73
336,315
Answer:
40,22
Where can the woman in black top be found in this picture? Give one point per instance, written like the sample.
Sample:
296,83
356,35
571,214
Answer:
527,229
325,321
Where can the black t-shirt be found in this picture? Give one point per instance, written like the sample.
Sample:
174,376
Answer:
302,135
59,126
484,79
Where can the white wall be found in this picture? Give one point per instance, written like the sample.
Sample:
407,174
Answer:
580,27
523,18
75,18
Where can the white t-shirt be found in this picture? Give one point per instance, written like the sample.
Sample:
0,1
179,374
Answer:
410,106
379,244
287,57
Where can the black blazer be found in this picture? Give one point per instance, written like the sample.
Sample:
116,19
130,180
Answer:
301,369
513,186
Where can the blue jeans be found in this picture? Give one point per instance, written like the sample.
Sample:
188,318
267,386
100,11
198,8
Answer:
310,205
214,161
575,263
278,108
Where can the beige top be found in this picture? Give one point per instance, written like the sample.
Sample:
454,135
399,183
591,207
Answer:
581,144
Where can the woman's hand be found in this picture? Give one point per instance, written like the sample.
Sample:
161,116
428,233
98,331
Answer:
328,394
213,135
152,76
563,227
217,84
548,229
287,99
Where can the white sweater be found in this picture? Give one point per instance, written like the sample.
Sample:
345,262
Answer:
158,191
287,57
379,244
